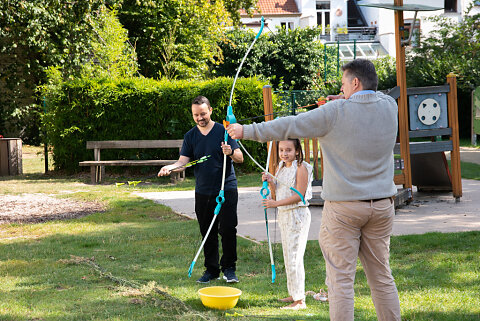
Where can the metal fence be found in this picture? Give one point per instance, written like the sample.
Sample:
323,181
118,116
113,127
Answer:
292,102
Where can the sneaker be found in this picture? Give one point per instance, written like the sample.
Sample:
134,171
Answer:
206,277
229,276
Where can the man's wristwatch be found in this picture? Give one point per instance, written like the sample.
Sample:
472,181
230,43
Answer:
231,153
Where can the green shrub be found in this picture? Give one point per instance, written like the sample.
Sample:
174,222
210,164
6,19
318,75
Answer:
451,47
290,57
87,109
386,72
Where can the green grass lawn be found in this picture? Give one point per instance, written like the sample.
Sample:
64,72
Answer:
131,262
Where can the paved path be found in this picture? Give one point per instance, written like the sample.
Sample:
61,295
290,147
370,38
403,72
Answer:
427,212
468,154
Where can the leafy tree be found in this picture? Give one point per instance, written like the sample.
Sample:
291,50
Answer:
291,57
111,53
451,47
234,6
175,38
36,35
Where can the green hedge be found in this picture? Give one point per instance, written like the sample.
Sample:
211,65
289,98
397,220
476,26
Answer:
82,110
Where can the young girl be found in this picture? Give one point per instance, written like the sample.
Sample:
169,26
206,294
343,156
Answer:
293,216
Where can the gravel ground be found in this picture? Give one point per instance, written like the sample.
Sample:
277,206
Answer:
35,208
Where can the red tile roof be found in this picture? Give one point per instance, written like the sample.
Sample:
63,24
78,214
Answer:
274,7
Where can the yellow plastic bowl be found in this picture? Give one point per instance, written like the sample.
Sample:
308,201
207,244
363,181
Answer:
219,297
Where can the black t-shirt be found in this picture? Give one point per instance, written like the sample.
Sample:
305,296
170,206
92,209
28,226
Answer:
208,175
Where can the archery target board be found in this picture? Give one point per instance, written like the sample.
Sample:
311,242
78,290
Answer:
428,111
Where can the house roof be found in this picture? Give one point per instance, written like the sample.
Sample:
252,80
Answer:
274,7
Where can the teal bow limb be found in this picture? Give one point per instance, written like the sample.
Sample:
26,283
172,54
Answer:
190,270
243,60
265,191
299,194
272,263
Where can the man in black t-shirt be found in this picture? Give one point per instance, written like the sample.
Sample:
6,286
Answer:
207,138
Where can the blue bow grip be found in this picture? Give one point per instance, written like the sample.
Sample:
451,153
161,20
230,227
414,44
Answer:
265,191
220,199
230,116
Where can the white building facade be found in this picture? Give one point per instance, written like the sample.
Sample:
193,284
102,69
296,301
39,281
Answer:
359,31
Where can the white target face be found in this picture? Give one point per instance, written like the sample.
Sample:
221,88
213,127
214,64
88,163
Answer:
429,111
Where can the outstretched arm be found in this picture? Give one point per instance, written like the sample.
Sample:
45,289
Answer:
315,123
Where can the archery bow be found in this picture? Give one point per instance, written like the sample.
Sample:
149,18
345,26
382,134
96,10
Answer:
230,119
268,173
265,192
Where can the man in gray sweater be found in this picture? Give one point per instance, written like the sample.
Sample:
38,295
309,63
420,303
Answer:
357,133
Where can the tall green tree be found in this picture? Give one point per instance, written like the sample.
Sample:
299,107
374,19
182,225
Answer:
111,54
291,57
38,35
234,6
451,47
175,38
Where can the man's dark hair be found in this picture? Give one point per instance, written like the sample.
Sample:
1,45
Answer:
364,70
200,100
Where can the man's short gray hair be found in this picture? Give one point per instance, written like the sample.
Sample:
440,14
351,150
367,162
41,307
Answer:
364,70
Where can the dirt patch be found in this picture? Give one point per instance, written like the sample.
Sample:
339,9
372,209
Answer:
35,208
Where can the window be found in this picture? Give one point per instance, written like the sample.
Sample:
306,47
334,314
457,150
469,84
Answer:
365,50
323,16
289,25
323,5
450,5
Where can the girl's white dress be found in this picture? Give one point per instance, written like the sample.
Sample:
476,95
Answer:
294,221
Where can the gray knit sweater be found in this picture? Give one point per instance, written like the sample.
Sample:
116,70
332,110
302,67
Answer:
357,136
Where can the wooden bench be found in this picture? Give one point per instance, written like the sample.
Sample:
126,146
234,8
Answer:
97,166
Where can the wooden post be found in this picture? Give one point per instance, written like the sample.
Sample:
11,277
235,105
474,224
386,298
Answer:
406,180
321,163
453,124
306,145
20,156
11,157
315,158
4,157
268,110
472,129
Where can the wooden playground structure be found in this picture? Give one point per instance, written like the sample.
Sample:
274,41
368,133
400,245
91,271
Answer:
425,114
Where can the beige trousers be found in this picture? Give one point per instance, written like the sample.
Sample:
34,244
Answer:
294,225
358,229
